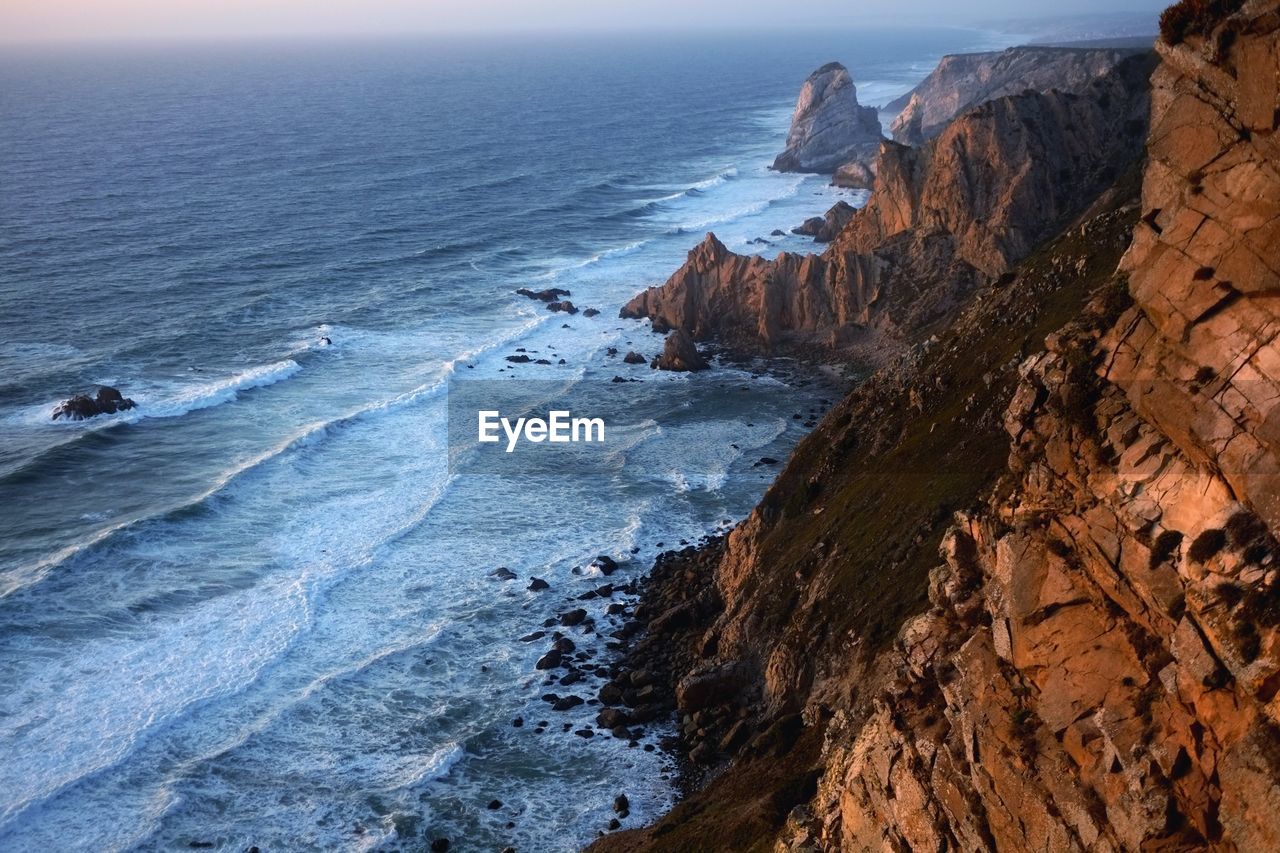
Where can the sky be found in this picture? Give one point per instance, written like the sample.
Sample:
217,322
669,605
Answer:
75,20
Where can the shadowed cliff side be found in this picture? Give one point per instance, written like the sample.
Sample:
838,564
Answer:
942,219
1093,660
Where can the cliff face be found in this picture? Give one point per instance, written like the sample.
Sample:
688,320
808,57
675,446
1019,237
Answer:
1094,661
829,128
1101,664
960,210
962,81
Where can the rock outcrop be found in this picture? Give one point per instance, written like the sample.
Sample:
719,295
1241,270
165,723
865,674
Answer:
107,401
963,81
824,229
1091,658
942,218
858,175
680,354
829,128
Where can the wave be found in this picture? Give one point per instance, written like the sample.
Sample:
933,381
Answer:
24,576
694,190
167,403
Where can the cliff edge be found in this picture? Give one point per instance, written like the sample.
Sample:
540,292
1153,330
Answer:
962,81
942,218
1023,595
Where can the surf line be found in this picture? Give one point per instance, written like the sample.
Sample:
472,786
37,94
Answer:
559,427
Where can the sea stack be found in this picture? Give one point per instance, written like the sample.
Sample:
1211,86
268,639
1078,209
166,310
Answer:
829,127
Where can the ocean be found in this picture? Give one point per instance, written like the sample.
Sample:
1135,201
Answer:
258,610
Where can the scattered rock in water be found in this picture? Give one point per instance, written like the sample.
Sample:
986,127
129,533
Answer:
680,354
81,407
573,617
538,584
605,564
611,718
621,803
502,573
440,845
519,359
550,660
536,635
590,312
585,733
549,295
566,703
518,723
634,357
494,805
563,306
614,823
777,232
765,460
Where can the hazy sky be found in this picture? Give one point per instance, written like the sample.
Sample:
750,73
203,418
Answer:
40,20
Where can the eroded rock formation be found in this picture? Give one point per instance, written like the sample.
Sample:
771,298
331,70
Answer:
942,218
1093,661
829,127
962,81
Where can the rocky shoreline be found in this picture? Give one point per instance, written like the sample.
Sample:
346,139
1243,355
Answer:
1018,590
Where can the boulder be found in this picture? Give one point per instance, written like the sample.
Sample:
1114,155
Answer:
858,175
823,229
634,357
562,306
709,687
606,564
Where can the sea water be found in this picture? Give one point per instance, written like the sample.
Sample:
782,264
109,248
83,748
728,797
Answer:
258,609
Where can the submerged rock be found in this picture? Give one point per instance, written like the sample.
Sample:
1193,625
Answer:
107,401
551,294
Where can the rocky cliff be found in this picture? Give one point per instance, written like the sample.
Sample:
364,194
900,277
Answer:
1020,596
962,81
829,127
942,218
